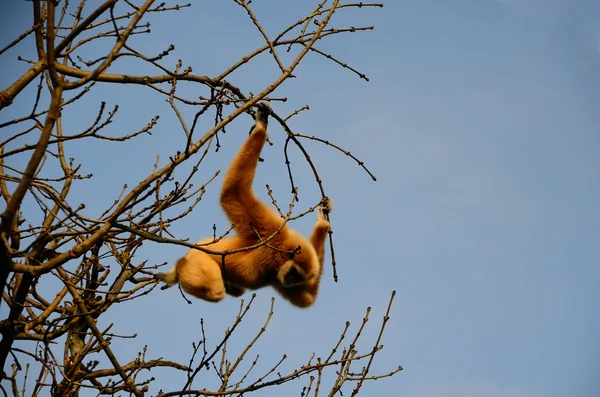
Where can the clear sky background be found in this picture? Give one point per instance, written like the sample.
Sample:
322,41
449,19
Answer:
481,122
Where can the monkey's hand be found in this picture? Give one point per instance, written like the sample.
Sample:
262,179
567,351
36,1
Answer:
324,209
326,206
263,111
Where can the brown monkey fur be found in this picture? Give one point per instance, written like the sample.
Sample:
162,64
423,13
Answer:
290,263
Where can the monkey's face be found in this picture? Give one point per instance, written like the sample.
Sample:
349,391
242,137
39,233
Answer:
302,266
303,263
291,274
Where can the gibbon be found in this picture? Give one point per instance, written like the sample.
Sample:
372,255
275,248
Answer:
289,262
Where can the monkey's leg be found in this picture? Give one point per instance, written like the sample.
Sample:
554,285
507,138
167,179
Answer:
200,275
225,244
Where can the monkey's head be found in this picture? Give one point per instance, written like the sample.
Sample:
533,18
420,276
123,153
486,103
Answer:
303,264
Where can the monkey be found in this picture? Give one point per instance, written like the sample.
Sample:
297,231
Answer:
289,262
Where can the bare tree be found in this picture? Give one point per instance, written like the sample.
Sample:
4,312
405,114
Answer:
51,336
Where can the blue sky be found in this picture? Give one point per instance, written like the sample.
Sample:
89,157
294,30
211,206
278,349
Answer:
481,124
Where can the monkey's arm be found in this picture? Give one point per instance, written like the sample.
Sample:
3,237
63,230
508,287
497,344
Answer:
319,233
238,200
240,175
